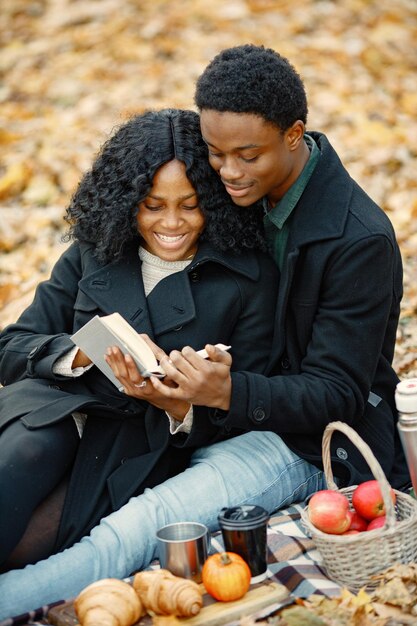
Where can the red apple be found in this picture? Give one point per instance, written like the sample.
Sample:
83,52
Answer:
367,500
378,522
357,522
329,511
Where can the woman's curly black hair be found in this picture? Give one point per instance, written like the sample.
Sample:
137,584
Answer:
104,207
253,79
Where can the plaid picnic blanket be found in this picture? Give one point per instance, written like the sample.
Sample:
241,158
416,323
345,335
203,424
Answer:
293,561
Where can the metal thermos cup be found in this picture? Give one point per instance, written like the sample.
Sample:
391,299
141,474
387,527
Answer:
183,548
406,403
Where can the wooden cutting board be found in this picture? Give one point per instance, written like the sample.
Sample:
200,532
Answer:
213,613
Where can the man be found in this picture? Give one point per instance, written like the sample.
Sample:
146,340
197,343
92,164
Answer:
341,275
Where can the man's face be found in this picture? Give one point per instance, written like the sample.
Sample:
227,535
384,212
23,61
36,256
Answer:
253,157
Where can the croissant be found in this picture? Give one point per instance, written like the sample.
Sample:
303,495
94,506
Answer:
108,602
166,594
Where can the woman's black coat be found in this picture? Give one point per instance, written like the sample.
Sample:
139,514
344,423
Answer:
126,445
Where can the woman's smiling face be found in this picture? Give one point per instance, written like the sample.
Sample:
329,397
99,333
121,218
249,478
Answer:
170,221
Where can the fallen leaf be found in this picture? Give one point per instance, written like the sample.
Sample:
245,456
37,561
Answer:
14,180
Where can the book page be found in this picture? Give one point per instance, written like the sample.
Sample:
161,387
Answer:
132,340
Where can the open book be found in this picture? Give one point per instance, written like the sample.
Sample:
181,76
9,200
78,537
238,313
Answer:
113,330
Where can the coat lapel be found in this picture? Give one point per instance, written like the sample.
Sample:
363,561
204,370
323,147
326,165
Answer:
171,303
118,287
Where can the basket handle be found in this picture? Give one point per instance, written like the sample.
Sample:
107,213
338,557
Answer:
369,457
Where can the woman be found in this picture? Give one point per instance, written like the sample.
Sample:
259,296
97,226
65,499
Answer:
156,238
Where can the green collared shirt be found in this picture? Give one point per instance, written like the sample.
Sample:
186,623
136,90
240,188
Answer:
277,221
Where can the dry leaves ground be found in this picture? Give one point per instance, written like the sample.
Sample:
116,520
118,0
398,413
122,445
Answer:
73,69
392,603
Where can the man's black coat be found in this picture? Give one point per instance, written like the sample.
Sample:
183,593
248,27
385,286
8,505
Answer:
335,331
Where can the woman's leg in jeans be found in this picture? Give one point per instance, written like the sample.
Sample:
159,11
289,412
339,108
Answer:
32,463
254,468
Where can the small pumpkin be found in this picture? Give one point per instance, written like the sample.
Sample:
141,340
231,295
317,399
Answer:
226,576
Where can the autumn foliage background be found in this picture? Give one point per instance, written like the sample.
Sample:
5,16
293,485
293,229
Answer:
71,70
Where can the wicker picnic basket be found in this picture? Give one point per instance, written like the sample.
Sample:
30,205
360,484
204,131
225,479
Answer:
351,560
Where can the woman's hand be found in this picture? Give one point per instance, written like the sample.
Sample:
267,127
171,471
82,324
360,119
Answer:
204,382
80,360
134,385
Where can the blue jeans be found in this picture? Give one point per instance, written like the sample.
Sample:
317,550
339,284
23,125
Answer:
254,468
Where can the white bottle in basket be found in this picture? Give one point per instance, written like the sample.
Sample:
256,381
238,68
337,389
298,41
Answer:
406,403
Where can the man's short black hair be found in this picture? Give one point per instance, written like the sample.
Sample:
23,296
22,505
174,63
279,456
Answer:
253,79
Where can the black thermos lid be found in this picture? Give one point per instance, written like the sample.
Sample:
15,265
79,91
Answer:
243,517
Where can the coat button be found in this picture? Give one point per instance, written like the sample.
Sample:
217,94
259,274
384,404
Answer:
285,363
178,328
258,414
341,454
54,387
194,277
32,353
